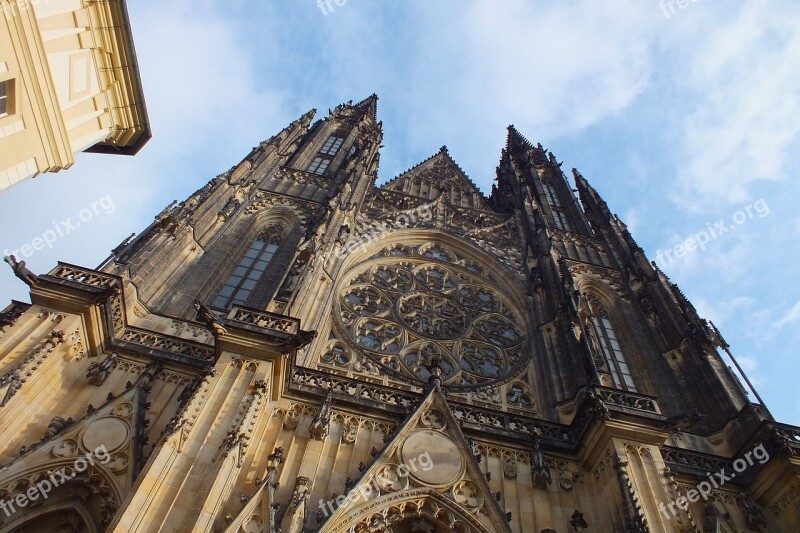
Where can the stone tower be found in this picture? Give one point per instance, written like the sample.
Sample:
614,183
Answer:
293,348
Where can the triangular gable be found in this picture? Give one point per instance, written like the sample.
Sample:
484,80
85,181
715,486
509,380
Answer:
436,175
428,470
107,441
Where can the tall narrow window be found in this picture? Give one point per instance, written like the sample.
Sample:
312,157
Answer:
559,216
552,197
243,280
612,353
332,145
319,165
5,96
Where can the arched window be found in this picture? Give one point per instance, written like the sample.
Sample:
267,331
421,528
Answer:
245,276
608,343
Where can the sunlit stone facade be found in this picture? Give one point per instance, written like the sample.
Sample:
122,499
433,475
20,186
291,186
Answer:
293,348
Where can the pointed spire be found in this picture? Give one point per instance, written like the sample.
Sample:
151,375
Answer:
515,138
369,105
594,206
307,117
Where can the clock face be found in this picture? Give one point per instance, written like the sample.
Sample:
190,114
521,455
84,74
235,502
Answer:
406,310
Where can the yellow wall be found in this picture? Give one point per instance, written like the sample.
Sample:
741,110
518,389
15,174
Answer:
64,99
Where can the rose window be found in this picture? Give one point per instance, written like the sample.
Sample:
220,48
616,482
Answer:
412,314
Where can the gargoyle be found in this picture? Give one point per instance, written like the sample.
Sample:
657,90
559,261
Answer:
210,319
21,271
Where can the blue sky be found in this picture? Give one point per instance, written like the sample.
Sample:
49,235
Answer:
680,120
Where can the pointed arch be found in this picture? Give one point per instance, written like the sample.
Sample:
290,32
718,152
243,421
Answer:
93,493
609,334
270,240
607,339
402,509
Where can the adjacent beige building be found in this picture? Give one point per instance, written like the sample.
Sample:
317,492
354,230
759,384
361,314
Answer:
69,82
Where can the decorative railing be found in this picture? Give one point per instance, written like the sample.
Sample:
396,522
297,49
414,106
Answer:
263,319
166,344
402,401
628,400
321,382
83,276
694,463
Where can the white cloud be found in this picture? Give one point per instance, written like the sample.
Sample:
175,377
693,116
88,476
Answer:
791,316
746,106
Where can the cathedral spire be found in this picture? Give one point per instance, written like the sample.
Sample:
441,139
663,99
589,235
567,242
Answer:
369,105
594,206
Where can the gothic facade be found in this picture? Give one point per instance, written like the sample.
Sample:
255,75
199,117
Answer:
293,348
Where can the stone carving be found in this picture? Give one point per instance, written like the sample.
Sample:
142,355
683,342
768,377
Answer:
350,431
99,372
13,380
402,315
296,510
21,271
540,470
291,417
577,521
12,313
210,319
164,343
320,425
300,340
265,320
753,515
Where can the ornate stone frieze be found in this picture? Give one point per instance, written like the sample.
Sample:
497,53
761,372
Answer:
611,278
263,319
167,345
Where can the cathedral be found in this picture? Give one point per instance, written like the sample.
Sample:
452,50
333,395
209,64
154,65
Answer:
294,348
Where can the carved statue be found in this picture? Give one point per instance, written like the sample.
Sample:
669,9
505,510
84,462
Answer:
295,515
540,471
98,372
577,521
14,383
175,424
320,426
209,318
344,232
597,405
302,490
300,340
21,271
684,421
752,514
55,426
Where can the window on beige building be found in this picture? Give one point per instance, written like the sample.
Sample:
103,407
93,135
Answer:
6,97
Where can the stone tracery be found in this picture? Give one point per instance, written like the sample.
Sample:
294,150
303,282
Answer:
422,306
